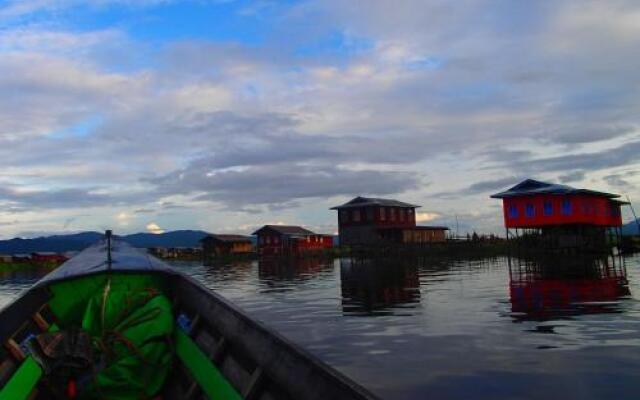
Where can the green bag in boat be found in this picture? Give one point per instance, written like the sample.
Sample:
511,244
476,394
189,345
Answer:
131,332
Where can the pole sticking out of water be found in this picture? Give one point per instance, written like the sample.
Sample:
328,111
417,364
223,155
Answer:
108,234
107,287
634,214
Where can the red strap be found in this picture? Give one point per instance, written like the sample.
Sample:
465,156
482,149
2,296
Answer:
72,390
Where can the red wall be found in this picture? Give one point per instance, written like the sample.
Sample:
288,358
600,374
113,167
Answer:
585,209
274,244
315,242
270,244
375,217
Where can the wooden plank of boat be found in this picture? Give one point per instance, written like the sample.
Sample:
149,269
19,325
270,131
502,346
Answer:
220,351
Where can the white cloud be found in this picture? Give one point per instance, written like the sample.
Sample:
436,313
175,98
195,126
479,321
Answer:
426,216
433,97
123,219
152,227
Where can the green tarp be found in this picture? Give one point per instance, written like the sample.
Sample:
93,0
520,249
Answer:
131,333
131,325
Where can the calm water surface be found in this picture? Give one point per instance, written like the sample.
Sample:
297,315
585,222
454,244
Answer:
414,328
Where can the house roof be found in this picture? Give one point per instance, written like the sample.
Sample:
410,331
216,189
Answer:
373,201
531,187
290,230
228,238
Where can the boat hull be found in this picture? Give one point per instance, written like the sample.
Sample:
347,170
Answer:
255,361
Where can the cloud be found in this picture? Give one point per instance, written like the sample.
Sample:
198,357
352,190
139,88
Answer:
402,95
572,177
482,187
57,198
625,154
621,180
123,218
152,227
280,184
426,216
492,185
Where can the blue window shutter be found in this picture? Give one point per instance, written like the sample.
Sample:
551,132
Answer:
548,208
567,208
513,211
530,210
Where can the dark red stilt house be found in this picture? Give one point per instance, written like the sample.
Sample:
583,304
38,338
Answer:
539,207
370,221
290,240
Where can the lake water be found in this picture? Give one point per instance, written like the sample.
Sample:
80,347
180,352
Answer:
448,329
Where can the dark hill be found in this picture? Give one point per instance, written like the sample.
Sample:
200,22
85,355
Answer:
630,228
79,241
185,238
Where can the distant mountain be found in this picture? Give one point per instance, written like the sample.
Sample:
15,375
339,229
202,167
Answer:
83,237
185,238
79,241
57,244
630,228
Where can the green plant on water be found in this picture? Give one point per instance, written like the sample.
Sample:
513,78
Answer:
17,266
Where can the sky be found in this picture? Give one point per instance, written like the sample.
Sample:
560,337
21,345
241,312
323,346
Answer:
155,115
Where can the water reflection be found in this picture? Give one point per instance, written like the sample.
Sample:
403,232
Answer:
378,287
14,281
280,274
292,269
565,287
22,275
460,339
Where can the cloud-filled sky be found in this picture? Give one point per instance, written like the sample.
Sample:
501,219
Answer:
225,115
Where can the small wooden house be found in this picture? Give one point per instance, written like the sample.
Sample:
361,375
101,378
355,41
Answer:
214,245
290,240
371,221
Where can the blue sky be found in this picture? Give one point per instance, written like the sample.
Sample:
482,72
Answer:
225,115
214,21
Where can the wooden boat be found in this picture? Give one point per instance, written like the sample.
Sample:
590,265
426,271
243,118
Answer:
216,350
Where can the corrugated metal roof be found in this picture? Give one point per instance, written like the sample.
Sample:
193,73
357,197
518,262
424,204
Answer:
373,201
287,230
531,186
228,238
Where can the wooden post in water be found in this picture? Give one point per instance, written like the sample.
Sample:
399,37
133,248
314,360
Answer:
635,217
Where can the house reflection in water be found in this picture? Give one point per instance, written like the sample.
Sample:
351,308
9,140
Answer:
565,287
378,287
288,270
